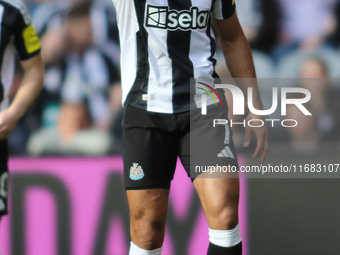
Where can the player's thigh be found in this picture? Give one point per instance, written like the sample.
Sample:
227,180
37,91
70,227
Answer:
149,150
219,198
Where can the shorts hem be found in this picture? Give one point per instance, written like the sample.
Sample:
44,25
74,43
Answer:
150,186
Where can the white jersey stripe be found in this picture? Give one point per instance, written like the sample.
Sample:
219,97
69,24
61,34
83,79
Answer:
2,9
128,65
7,74
128,43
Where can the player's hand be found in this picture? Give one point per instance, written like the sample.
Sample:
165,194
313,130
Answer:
8,121
261,135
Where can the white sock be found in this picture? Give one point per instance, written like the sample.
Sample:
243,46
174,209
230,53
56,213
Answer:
135,250
225,238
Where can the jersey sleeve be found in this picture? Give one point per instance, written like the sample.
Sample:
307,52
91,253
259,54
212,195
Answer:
223,9
26,40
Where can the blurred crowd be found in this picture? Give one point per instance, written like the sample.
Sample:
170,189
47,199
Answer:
295,43
79,111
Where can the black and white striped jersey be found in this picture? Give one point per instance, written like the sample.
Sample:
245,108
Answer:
17,34
165,43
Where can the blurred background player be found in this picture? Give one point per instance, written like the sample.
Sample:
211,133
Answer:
17,35
82,88
322,126
81,69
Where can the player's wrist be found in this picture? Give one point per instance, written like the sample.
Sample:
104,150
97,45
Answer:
257,103
252,116
14,113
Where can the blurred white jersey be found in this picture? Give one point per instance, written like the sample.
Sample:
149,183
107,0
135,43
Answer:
165,43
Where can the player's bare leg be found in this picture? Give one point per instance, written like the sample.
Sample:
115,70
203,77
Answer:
219,198
148,210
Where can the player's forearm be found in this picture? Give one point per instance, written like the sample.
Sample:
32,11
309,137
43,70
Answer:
29,89
238,57
240,63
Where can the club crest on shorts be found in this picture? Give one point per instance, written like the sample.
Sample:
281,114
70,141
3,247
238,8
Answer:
136,172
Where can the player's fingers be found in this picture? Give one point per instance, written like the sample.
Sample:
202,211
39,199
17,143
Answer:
260,145
264,152
257,152
247,136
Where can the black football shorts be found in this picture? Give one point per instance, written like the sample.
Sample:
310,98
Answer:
4,177
153,141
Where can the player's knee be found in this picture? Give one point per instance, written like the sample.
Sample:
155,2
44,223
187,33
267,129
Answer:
148,231
225,216
151,236
228,218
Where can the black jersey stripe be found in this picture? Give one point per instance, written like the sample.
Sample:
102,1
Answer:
140,85
212,42
182,67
